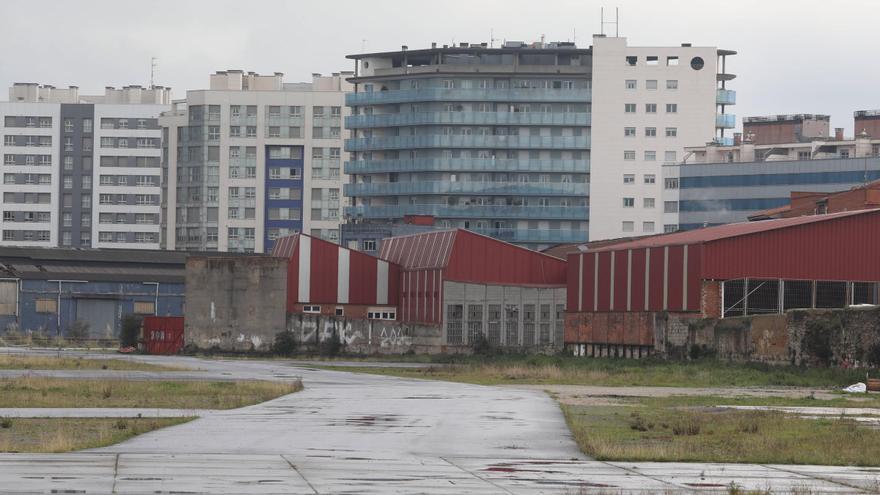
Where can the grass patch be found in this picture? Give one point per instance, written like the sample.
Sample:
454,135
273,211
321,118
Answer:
67,434
564,370
650,431
58,392
24,362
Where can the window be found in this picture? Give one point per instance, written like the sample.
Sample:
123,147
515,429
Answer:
651,84
647,202
251,131
10,160
650,108
369,245
671,61
670,207
670,227
68,125
68,144
87,126
671,131
629,131
629,107
632,60
629,202
647,226
44,305
669,156
629,155
804,155
672,108
629,178
650,132
68,182
213,134
86,181
672,84
650,156
671,183
631,84
45,160
312,308
628,226
274,131
650,178
652,60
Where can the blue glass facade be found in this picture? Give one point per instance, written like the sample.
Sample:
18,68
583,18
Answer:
719,193
283,193
492,140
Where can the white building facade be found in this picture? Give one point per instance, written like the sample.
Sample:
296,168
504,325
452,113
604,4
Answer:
649,103
252,159
81,171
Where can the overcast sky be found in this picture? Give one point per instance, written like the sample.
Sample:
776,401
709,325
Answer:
795,56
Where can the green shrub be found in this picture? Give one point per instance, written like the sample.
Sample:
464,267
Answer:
285,344
130,330
78,331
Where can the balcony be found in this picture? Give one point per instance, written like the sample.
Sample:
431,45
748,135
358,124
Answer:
468,141
723,141
535,235
725,121
466,118
466,165
481,188
471,211
492,94
725,97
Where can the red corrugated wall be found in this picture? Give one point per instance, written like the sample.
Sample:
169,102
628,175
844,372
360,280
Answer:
629,280
480,259
362,283
421,293
839,249
324,267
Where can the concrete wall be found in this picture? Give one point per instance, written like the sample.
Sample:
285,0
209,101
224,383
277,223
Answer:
833,337
235,304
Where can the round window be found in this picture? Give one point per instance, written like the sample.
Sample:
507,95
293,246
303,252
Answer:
697,63
367,64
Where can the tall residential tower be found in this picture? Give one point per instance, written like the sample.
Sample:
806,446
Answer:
512,141
79,170
251,159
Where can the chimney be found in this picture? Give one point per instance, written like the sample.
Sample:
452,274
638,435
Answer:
434,44
838,133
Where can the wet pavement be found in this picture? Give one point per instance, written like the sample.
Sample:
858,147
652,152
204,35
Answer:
357,433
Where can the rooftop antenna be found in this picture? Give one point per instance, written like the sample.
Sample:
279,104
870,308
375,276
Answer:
574,36
154,67
363,45
492,38
616,21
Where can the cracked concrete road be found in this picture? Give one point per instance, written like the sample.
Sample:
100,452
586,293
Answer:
356,433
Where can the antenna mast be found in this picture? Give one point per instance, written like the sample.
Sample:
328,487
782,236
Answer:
616,21
154,67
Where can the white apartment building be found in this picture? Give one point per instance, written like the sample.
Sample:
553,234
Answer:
252,159
81,170
648,104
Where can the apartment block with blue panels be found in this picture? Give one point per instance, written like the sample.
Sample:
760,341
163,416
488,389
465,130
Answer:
717,193
283,213
495,140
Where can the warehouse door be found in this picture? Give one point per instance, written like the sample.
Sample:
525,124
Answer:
100,314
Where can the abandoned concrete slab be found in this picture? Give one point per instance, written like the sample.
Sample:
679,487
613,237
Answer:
357,433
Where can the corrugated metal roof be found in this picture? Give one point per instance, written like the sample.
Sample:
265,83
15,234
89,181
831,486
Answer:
101,255
284,246
427,250
730,230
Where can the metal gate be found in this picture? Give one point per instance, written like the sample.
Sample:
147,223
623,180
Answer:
100,314
163,334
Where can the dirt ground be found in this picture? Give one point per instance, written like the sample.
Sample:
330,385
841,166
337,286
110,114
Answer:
589,395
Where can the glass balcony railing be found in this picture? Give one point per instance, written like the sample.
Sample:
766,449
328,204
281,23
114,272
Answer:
725,97
725,121
466,165
466,118
535,235
723,141
481,188
467,141
471,211
457,94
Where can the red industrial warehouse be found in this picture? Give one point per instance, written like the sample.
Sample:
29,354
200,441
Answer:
323,277
431,258
769,266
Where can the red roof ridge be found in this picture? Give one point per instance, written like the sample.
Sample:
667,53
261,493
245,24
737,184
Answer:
709,234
